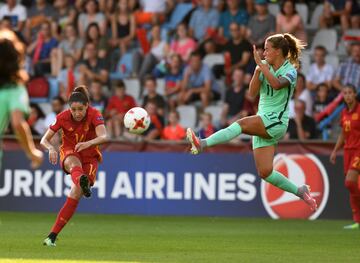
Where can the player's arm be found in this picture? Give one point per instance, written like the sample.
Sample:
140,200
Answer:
45,143
255,83
22,131
101,137
339,143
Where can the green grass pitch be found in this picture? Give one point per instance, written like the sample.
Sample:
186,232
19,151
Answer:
116,238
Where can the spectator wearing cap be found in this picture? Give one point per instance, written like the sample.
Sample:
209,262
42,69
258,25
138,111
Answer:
262,24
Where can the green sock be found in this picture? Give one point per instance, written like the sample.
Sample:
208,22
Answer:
280,181
223,135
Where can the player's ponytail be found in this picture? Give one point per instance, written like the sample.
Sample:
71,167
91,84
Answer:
290,46
80,94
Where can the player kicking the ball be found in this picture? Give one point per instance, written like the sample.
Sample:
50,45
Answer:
83,130
275,80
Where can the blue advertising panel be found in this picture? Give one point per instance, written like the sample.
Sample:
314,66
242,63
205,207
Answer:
148,183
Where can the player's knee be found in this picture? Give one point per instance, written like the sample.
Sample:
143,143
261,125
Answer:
265,172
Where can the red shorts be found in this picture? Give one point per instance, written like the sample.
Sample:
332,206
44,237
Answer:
89,165
351,160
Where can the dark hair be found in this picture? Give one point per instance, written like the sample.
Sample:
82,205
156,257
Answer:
59,99
93,24
12,56
39,111
283,4
119,84
176,113
322,48
350,86
322,84
290,46
150,78
196,53
88,1
80,94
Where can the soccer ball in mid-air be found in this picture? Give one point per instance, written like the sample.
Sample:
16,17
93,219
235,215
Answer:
137,120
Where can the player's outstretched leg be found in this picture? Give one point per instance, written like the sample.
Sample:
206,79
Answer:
221,136
85,185
352,186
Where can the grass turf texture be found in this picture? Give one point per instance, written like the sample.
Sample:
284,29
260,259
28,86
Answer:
115,238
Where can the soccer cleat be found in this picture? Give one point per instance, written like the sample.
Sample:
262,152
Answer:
48,242
304,194
194,141
352,226
84,184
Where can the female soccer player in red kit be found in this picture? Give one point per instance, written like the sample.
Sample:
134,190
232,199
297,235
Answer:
350,138
83,130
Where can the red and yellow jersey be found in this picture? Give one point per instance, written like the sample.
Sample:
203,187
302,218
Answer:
350,123
74,132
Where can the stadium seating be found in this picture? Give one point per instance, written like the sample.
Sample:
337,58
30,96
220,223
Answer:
133,88
188,116
327,38
215,111
213,59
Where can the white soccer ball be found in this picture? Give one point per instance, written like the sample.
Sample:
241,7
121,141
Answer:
137,120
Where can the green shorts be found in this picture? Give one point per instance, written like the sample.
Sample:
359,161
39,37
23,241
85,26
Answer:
274,127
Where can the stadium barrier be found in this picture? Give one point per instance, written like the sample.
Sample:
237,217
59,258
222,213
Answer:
160,178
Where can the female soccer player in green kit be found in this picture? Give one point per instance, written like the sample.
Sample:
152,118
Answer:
14,100
274,79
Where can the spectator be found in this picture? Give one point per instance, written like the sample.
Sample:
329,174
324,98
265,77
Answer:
240,52
93,68
118,105
346,12
173,79
93,35
173,131
204,17
68,78
91,15
65,13
198,83
261,25
71,44
289,21
206,126
36,120
322,98
236,105
319,71
97,98
41,50
123,27
302,127
303,94
157,122
38,14
150,87
183,44
17,14
349,71
233,14
57,106
144,64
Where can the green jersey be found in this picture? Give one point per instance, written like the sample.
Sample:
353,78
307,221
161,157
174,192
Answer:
12,97
276,102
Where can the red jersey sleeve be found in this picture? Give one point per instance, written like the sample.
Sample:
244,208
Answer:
132,102
56,125
97,118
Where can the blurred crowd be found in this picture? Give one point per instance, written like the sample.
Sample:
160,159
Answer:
188,63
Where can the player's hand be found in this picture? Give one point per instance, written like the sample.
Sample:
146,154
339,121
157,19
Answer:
256,56
53,156
37,158
82,146
333,157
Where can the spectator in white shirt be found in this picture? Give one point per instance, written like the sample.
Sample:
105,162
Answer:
16,13
319,71
303,94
